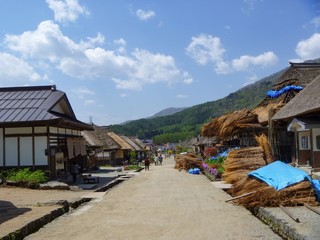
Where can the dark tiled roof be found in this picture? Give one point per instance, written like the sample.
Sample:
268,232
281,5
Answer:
35,104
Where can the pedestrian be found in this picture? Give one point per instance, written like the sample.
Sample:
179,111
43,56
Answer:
160,159
146,164
156,159
75,169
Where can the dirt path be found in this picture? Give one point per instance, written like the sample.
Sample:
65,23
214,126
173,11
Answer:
162,203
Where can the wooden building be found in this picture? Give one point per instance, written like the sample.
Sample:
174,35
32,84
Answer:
301,116
100,146
39,130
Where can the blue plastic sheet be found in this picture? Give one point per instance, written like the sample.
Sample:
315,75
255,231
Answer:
275,93
280,175
194,171
316,187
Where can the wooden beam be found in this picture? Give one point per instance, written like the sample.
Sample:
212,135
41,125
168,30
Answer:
240,196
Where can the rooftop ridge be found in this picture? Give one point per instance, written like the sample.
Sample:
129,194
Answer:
28,88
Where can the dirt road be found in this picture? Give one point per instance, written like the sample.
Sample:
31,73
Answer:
162,203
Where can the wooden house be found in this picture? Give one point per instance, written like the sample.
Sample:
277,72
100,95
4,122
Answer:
122,153
100,146
39,130
281,141
136,147
241,127
301,116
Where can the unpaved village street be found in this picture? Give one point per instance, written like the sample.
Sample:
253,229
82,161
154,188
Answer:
162,203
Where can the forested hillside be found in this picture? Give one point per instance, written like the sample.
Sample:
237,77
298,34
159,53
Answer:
187,123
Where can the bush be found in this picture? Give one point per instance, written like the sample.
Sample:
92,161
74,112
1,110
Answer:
26,176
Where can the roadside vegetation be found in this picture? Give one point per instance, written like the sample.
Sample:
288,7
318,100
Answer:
24,177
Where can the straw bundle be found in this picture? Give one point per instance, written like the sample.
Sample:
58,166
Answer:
263,141
242,161
227,125
266,196
187,161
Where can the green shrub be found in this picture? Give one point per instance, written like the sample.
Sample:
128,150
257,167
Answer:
26,176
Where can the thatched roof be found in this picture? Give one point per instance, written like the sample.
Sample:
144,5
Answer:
298,74
307,101
135,146
138,142
100,138
123,144
91,139
228,125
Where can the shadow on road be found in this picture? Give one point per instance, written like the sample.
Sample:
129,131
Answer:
9,211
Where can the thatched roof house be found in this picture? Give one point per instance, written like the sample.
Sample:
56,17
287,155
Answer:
302,117
298,74
133,144
306,102
244,124
99,138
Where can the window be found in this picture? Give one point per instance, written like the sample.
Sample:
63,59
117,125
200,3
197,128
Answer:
304,142
318,141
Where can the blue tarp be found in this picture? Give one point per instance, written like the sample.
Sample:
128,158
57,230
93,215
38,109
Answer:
316,187
280,175
275,93
194,171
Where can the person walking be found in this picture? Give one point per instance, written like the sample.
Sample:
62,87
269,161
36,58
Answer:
75,169
146,164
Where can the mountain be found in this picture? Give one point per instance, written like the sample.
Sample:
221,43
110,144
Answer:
166,112
187,123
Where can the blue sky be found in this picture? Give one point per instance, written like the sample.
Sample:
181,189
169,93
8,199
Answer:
122,60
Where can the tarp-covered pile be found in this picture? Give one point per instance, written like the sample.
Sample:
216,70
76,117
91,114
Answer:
187,161
280,175
288,186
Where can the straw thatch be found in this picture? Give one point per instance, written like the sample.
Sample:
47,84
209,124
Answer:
298,74
242,161
99,138
266,196
307,101
187,161
228,125
263,141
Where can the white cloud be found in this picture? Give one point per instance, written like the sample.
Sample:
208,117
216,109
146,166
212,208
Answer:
13,68
309,48
86,60
182,96
316,22
244,62
206,49
145,15
251,80
249,6
66,10
82,92
89,102
47,42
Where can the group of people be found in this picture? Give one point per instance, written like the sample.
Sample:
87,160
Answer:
157,161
